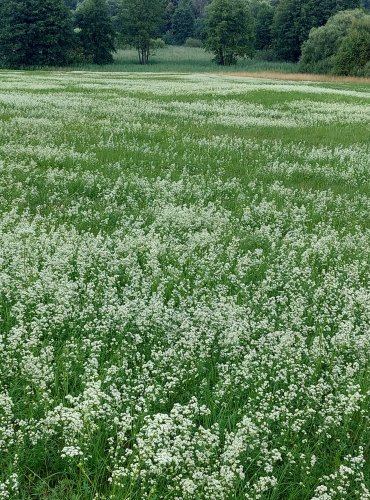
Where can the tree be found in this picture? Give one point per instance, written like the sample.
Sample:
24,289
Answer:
141,21
199,6
353,55
95,31
314,14
71,4
286,30
319,51
339,5
34,33
293,20
113,7
183,22
228,31
262,14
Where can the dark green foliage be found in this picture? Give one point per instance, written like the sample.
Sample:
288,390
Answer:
286,31
183,22
228,31
294,19
113,7
338,5
140,22
353,56
166,28
193,42
262,14
71,4
96,31
199,28
324,43
35,33
199,6
314,13
39,32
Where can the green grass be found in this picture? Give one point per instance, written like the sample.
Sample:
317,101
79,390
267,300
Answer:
192,60
184,264
181,59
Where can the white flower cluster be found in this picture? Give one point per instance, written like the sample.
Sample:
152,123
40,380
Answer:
184,287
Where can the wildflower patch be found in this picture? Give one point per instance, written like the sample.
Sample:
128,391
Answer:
184,287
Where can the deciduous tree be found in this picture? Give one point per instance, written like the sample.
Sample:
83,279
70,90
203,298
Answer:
353,55
228,31
286,31
96,31
262,14
293,20
141,21
323,44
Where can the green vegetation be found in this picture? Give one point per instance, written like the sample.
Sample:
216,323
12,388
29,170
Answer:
174,59
95,30
34,33
342,46
353,56
183,20
140,22
184,292
228,31
294,19
272,30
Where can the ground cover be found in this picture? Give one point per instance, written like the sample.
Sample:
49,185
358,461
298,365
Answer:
184,287
182,59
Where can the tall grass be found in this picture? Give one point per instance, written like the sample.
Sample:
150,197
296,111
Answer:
181,59
184,287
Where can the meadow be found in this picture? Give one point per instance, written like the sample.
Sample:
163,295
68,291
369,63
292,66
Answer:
180,59
184,287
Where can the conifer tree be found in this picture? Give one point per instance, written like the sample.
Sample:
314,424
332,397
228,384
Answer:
262,14
35,33
183,22
286,31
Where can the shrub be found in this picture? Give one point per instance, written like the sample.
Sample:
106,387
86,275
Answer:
354,52
157,43
193,42
323,44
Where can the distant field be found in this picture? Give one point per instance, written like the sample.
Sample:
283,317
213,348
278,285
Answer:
185,60
184,287
181,59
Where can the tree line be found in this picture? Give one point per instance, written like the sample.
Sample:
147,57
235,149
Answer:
324,35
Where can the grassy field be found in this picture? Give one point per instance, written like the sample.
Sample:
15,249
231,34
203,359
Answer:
182,59
191,60
184,287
